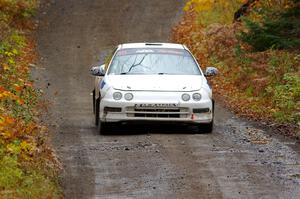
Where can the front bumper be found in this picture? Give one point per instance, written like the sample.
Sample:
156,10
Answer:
185,112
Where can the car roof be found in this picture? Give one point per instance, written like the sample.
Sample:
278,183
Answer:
151,45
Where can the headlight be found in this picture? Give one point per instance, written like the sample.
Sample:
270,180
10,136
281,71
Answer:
197,96
117,95
128,96
185,97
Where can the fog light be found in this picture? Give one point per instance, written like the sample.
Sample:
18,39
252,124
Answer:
112,109
128,96
117,96
201,110
185,97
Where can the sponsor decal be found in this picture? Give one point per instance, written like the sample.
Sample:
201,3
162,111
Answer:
168,51
144,51
102,84
156,105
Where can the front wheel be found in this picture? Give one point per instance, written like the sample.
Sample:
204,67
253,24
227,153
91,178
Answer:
97,110
102,128
94,101
206,128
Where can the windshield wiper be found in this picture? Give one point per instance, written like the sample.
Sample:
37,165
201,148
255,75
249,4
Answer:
127,73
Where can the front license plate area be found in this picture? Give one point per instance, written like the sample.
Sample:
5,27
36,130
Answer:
142,106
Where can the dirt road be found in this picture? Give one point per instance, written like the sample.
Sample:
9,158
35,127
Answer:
238,160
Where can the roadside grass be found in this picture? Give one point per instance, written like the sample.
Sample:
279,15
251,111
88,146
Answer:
28,166
261,85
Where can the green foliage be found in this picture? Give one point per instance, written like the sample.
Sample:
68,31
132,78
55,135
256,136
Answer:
26,184
10,173
278,32
279,65
11,78
286,97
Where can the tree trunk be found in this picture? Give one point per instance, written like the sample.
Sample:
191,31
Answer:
243,10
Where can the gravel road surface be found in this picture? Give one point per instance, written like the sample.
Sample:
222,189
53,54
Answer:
238,160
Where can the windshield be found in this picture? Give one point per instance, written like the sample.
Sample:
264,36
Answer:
153,61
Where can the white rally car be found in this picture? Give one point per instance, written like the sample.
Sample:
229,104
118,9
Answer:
159,82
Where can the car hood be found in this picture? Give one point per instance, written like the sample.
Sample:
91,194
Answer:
179,83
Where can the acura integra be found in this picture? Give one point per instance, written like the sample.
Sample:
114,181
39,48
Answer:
160,82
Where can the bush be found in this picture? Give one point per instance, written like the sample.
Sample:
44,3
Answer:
286,97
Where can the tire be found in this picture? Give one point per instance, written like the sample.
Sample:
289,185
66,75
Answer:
97,111
102,128
207,128
94,101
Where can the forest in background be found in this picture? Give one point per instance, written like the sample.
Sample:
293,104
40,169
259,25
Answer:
28,166
255,45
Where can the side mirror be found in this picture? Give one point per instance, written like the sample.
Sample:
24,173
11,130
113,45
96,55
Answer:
98,70
211,71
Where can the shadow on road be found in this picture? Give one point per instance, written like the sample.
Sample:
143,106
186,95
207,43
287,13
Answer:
141,129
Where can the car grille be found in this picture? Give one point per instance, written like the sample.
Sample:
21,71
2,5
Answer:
157,112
